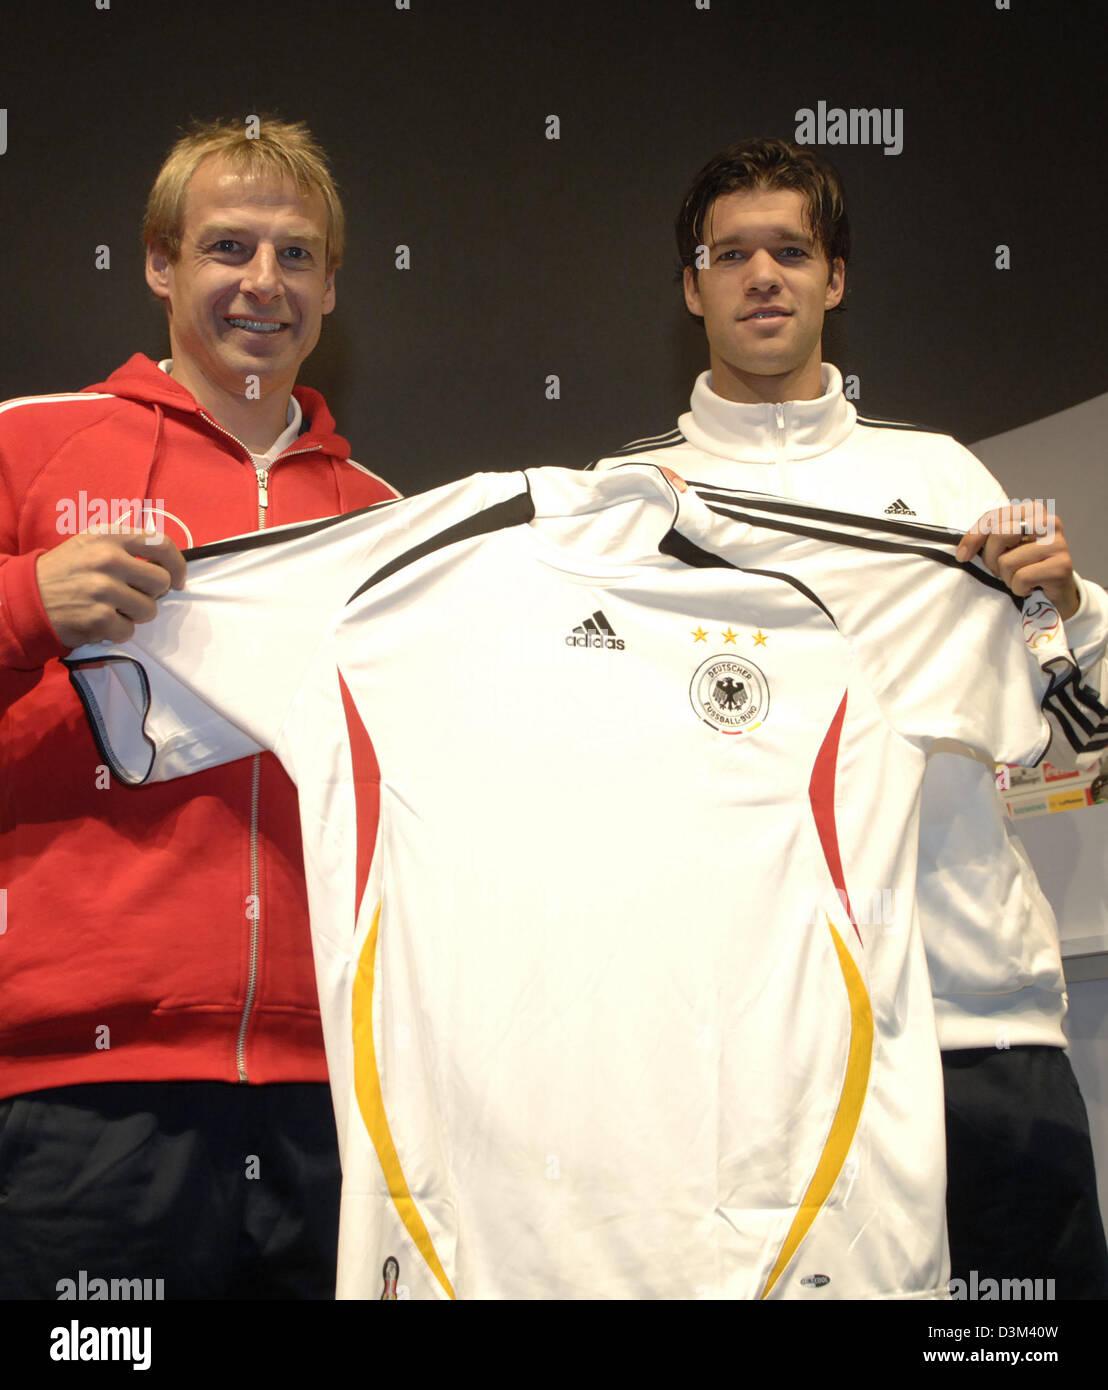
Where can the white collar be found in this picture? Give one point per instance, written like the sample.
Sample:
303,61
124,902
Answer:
767,433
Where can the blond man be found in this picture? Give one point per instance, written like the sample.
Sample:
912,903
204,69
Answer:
164,1111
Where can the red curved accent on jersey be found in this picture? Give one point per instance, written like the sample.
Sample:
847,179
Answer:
821,793
367,790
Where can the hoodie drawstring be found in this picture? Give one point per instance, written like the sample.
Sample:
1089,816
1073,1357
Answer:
159,416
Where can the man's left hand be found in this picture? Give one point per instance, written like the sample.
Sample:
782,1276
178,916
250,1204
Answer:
1024,545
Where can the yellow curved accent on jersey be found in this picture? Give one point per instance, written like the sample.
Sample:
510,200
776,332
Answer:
371,1102
845,1123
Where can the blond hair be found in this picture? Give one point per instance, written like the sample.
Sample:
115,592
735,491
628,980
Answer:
286,149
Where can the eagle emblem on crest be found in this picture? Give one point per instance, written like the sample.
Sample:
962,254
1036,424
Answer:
730,693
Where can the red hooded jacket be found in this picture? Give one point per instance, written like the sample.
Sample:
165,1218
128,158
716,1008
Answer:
156,933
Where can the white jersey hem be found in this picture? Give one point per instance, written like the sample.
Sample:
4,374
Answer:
1028,1018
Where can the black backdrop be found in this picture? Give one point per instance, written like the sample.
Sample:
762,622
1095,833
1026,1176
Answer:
532,257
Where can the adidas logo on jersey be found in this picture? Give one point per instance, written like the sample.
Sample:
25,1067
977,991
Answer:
899,508
596,632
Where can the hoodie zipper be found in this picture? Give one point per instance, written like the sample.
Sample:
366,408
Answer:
262,476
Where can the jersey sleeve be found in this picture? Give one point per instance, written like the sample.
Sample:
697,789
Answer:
1078,709
213,676
1088,633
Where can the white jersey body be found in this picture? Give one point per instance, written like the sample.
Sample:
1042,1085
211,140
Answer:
991,937
610,849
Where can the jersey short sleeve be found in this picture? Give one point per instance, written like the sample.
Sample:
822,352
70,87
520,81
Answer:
213,676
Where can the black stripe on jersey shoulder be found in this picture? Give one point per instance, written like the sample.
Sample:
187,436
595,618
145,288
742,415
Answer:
673,543
916,530
256,539
515,511
681,548
651,441
873,422
869,543
733,495
644,446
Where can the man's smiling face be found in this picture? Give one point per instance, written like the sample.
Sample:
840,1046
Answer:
247,294
763,296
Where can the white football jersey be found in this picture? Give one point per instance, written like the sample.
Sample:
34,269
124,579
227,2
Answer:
609,807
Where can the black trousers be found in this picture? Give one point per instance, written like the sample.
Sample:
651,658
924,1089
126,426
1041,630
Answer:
219,1191
1021,1188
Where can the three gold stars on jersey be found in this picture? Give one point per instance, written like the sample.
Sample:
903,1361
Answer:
700,635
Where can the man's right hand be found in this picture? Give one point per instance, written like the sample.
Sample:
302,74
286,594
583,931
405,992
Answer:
98,586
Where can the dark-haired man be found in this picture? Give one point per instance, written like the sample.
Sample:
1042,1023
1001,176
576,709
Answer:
764,241
165,1113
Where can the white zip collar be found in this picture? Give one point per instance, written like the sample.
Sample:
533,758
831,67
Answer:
768,433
